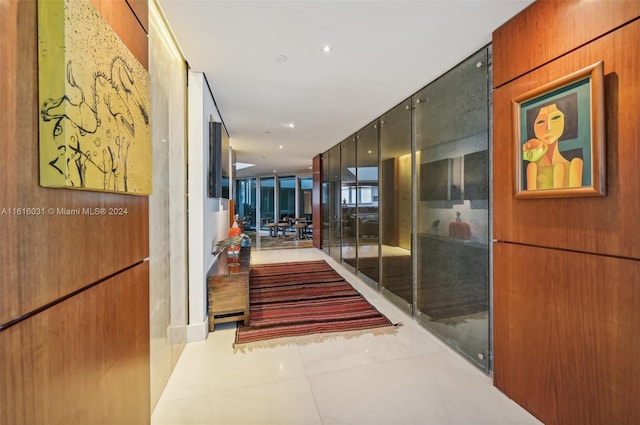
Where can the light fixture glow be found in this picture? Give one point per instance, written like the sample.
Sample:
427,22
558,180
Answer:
291,125
327,48
280,146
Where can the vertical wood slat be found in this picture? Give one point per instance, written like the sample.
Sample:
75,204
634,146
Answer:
82,361
548,29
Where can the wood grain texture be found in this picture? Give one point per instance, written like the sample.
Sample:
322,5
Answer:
82,361
127,25
48,256
141,9
317,202
566,334
548,29
605,225
566,296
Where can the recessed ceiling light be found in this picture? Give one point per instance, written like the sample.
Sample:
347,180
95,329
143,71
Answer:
281,58
274,171
369,152
327,48
280,146
291,125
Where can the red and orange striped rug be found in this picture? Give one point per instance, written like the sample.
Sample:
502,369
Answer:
304,298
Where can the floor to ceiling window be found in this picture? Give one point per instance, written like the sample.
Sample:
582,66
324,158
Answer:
246,202
287,197
305,208
267,201
451,130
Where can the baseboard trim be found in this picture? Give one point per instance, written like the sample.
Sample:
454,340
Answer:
198,331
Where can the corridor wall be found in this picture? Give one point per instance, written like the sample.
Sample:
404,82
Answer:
566,294
74,299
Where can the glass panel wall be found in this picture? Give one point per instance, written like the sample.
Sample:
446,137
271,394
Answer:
267,201
287,197
367,223
327,205
451,134
409,206
246,202
335,204
396,281
349,201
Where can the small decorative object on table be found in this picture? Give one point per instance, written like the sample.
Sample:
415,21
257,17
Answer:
232,244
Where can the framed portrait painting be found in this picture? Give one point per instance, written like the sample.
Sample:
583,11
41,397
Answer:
559,134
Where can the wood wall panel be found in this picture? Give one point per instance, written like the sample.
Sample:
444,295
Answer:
566,295
128,26
548,29
566,334
49,256
82,361
74,298
605,225
317,201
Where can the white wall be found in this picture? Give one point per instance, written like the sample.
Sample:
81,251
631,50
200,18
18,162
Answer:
208,217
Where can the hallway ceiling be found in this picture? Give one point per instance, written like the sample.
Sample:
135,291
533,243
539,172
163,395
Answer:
265,64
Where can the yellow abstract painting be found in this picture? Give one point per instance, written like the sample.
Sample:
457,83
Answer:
94,100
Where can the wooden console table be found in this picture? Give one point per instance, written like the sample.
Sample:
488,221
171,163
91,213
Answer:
228,289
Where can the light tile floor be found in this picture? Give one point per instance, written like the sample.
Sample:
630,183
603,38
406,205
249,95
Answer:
408,378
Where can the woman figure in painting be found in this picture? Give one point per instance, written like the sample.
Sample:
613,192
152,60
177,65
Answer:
547,168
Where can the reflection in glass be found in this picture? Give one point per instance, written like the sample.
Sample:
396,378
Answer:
306,190
335,204
287,197
246,204
366,222
267,201
451,133
326,202
395,208
349,201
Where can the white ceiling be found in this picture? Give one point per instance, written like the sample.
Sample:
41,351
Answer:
383,51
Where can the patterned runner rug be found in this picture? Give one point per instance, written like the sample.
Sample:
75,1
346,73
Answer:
304,299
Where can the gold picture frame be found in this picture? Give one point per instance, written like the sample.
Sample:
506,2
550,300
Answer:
559,132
